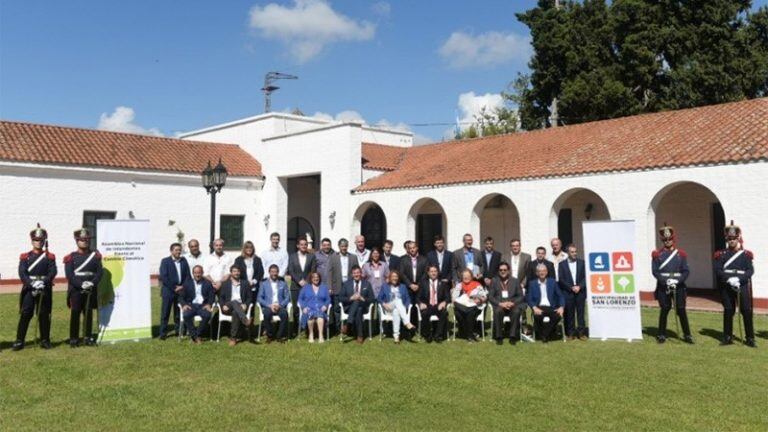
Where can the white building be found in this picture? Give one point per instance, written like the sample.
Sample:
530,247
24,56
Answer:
694,169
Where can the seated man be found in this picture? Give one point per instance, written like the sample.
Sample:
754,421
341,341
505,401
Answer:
506,298
546,301
196,300
234,298
274,298
356,295
434,296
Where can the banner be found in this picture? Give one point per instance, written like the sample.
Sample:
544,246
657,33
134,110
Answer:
125,306
612,296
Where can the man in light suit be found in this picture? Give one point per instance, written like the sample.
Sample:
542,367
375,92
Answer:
356,296
174,272
442,259
273,299
546,301
573,284
339,271
468,257
300,264
491,261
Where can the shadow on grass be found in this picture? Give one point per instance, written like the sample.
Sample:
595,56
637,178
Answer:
762,334
715,334
654,331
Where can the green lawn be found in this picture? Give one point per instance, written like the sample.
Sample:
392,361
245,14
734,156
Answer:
592,385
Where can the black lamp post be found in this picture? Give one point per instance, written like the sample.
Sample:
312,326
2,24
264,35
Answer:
214,179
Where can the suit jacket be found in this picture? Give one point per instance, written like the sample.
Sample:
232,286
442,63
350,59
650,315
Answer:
515,292
334,271
446,271
264,298
443,291
491,269
459,263
258,269
530,272
555,296
521,272
348,289
225,292
394,262
296,272
169,278
385,295
406,270
566,280
188,294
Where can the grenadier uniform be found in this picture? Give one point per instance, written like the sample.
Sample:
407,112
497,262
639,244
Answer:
733,267
37,270
83,269
670,268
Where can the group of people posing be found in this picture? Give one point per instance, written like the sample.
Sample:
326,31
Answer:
312,289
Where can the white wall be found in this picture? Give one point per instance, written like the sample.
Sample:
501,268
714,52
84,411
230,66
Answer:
57,196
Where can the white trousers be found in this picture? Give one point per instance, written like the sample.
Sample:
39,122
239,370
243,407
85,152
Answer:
399,315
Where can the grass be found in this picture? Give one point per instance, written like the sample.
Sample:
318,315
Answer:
167,385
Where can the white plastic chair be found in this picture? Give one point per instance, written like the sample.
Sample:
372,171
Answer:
182,327
366,317
562,329
228,318
327,326
387,316
275,318
480,317
432,318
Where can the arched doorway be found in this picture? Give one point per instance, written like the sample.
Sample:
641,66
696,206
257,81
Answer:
426,220
297,227
373,226
498,218
573,207
698,218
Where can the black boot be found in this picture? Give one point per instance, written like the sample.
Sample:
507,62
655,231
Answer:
661,338
18,346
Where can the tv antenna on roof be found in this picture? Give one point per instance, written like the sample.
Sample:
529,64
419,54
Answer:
269,87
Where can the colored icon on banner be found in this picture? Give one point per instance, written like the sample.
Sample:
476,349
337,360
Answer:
600,283
623,283
622,261
598,261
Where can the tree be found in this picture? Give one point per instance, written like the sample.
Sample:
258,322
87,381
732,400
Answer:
500,120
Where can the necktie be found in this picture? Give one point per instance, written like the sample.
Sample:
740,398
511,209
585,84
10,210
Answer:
357,287
432,294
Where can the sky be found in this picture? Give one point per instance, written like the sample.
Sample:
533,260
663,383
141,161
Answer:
162,67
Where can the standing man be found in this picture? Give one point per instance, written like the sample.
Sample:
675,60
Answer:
275,255
83,269
392,260
37,269
322,257
197,300
518,269
573,285
491,261
669,266
734,270
274,298
557,256
546,301
339,271
174,272
443,259
413,269
356,295
217,264
300,264
194,257
541,254
434,296
362,253
507,299
467,258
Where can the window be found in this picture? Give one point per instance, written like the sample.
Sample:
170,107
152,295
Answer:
231,231
374,227
427,227
565,226
89,222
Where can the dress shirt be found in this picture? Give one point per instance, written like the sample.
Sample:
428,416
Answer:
344,260
198,293
362,256
515,263
217,267
469,259
544,298
193,261
440,259
274,292
433,292
278,256
236,292
249,268
177,264
302,260
414,265
572,268
488,256
556,259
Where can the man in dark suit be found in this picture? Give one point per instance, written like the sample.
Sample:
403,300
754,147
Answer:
469,258
300,264
541,258
443,259
491,261
174,271
434,296
546,301
339,271
196,300
413,268
356,296
235,296
506,298
392,260
573,284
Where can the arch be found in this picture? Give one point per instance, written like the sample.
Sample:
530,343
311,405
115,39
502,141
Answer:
495,215
570,209
298,226
698,217
426,218
371,222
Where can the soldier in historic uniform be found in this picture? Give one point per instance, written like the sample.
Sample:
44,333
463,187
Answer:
83,269
733,267
37,269
670,268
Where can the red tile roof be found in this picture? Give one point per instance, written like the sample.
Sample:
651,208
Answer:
718,134
381,157
36,143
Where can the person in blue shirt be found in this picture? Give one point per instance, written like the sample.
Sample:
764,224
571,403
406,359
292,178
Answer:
314,301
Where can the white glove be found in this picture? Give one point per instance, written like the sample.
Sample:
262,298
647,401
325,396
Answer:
87,285
734,281
38,284
671,282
